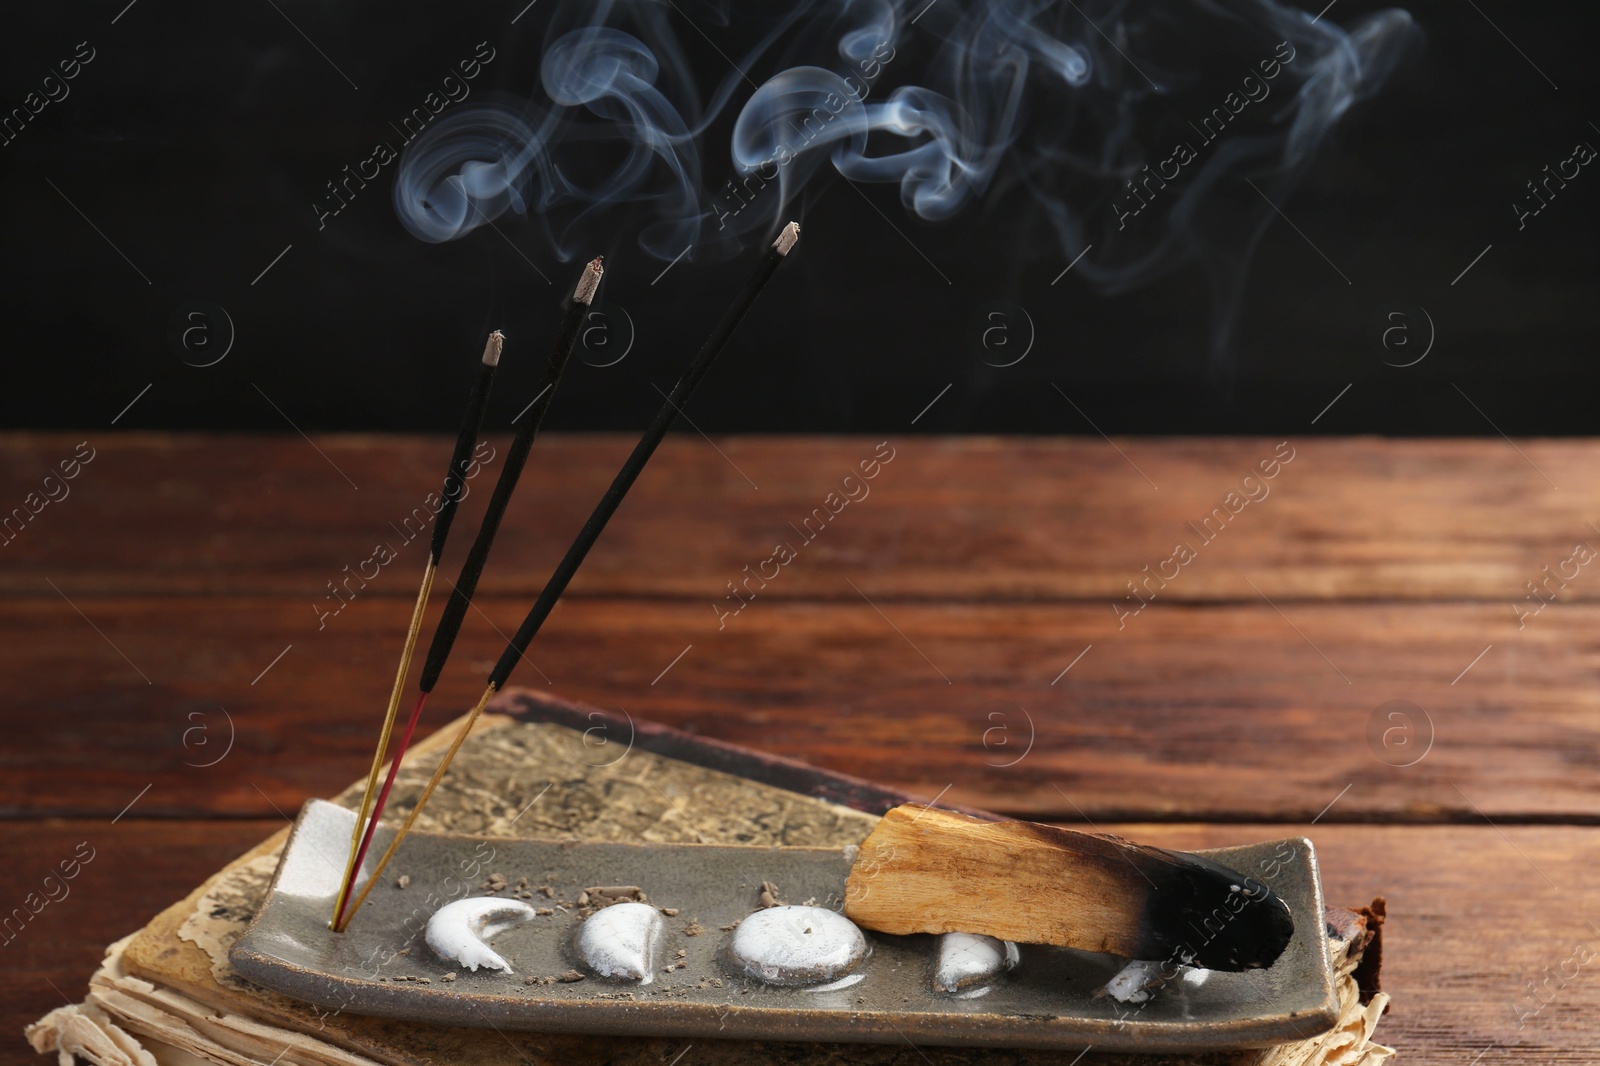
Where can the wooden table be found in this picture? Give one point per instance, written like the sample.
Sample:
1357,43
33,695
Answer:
180,675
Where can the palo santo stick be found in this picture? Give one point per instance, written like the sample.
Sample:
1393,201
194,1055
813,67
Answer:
924,870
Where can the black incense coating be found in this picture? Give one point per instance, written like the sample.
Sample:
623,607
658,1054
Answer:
455,610
455,479
641,454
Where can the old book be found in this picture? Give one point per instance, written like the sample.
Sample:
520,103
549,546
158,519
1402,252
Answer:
167,995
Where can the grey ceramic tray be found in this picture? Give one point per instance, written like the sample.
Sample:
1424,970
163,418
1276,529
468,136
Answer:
383,967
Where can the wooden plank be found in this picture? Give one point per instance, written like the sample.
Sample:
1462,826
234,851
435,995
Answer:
134,871
1231,712
1472,921
946,519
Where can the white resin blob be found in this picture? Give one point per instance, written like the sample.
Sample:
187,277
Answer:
1143,978
619,941
969,959
791,945
457,931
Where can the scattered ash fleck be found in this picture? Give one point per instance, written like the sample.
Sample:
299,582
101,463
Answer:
402,881
602,896
569,977
694,928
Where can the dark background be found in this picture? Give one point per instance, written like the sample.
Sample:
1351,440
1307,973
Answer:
199,136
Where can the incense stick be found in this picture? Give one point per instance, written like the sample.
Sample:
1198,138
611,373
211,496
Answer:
460,459
592,529
642,452
449,626
516,457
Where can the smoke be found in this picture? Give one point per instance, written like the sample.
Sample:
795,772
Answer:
1124,127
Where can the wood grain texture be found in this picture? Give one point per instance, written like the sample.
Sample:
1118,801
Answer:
932,637
924,870
138,869
1222,713
946,519
1456,963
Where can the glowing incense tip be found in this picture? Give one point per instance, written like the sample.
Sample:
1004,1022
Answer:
491,351
590,281
786,239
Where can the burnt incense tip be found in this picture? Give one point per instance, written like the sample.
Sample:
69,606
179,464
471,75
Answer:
786,239
491,351
589,283
1209,915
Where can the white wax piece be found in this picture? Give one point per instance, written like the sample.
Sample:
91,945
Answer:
847,981
619,941
457,931
968,959
792,945
1142,978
